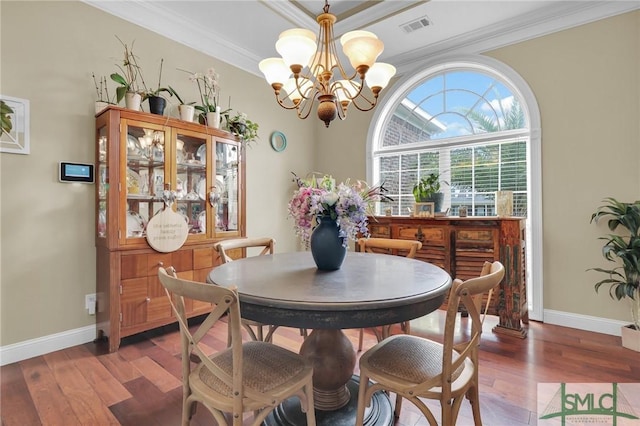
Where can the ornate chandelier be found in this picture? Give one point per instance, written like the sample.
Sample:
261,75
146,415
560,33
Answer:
308,72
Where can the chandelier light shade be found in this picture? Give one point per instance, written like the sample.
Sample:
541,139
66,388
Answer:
309,71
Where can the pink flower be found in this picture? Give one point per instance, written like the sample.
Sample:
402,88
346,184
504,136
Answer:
348,204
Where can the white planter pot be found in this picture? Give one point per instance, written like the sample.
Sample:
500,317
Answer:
213,119
186,112
100,106
631,338
133,100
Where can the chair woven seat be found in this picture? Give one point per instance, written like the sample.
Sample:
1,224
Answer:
411,359
413,367
266,367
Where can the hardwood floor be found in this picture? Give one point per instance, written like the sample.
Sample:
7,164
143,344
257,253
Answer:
140,384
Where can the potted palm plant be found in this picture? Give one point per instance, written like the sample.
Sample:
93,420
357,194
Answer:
427,190
624,251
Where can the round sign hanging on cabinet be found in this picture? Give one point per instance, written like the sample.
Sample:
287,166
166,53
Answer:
167,231
278,141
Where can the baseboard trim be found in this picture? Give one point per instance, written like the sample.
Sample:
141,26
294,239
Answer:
46,344
55,342
584,322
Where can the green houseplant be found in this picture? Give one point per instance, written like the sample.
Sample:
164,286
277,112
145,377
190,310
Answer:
186,109
427,189
131,82
157,103
624,251
241,126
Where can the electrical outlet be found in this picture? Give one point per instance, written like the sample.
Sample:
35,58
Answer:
90,303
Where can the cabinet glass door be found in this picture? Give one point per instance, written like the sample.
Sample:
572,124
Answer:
103,181
226,187
145,174
191,185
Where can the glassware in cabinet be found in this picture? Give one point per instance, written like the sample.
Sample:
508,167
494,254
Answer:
226,186
192,179
103,181
144,175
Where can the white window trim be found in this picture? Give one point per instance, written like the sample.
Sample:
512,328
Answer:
520,88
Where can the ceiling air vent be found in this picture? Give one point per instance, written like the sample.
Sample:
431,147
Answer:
412,26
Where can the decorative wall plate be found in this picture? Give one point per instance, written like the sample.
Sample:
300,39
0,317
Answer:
278,141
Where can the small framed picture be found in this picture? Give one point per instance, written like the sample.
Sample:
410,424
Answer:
423,209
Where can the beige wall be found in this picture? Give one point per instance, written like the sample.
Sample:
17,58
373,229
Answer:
586,81
49,50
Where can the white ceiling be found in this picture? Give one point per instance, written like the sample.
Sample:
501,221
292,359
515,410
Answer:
243,32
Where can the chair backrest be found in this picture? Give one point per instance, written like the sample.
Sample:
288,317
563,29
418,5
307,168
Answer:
470,294
223,300
223,247
389,246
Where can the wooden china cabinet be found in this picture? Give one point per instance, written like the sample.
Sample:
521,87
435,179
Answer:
138,156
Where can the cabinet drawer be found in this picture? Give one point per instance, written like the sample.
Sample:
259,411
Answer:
133,266
379,231
205,258
425,234
484,238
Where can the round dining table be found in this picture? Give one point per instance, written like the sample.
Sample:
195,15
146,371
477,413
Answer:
369,290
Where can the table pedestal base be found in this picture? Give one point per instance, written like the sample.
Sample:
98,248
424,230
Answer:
380,413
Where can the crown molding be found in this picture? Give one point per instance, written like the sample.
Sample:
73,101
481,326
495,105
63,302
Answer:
557,17
176,28
552,19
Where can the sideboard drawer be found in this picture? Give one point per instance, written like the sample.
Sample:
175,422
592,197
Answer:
425,234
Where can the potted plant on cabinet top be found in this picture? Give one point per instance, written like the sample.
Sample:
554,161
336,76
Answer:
129,88
209,97
157,103
624,250
103,99
186,109
427,190
242,127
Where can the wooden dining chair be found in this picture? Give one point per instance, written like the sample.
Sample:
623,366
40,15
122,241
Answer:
251,376
267,246
408,248
413,367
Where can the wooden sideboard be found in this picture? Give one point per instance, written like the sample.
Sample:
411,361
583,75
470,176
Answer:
461,246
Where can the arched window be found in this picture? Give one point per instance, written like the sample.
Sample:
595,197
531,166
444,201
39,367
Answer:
475,123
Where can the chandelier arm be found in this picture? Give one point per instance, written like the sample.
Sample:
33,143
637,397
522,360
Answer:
315,88
304,108
338,84
371,105
342,112
285,106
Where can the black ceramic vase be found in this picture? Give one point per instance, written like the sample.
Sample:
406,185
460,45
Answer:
326,245
157,105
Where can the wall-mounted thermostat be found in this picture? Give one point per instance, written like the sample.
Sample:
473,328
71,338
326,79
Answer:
76,172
